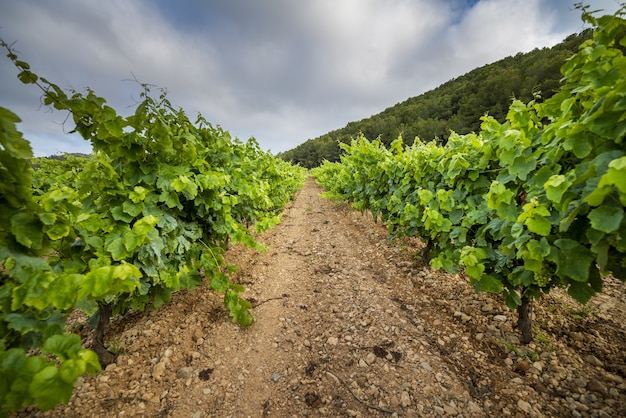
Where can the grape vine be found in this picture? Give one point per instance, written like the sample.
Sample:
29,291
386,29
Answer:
525,206
151,212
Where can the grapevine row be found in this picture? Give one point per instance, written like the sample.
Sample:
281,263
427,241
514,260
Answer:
525,206
149,213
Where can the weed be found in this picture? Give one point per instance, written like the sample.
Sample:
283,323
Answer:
581,313
511,348
117,347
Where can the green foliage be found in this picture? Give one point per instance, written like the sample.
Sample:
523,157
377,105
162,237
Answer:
33,297
456,105
149,213
525,205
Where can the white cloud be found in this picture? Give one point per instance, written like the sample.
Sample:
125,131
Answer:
496,28
279,70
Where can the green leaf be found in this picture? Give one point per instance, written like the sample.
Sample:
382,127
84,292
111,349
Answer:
57,231
145,225
579,144
27,77
616,174
512,299
48,389
606,218
71,370
90,358
131,241
219,282
522,166
138,194
131,208
160,296
534,217
539,225
62,292
573,259
63,346
110,281
27,229
119,214
47,218
50,200
117,248
581,292
555,187
488,283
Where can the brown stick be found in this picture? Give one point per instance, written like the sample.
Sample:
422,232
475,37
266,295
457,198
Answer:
378,408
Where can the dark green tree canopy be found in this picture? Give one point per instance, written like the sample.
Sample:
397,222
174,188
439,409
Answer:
456,105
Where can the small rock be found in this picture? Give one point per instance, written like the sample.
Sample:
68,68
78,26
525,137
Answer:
362,363
184,372
612,377
405,399
524,406
597,386
487,307
500,318
426,366
513,339
332,341
306,343
158,370
589,398
450,410
275,377
524,365
593,360
333,377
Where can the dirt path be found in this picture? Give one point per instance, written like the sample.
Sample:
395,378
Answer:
348,325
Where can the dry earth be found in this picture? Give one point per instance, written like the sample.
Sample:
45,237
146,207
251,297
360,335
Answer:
348,324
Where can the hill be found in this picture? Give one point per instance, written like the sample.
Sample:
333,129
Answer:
456,105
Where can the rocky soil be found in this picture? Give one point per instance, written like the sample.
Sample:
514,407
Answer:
350,324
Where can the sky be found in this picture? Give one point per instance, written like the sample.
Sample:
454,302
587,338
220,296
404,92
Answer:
281,71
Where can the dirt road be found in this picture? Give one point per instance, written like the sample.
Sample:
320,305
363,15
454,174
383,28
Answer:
348,324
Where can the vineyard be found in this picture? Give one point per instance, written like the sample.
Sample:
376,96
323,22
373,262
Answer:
149,214
523,207
130,247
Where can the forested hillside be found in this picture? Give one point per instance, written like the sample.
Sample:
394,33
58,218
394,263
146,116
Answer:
456,105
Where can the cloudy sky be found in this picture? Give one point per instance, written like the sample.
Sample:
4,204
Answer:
283,71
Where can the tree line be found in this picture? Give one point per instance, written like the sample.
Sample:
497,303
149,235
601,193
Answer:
455,106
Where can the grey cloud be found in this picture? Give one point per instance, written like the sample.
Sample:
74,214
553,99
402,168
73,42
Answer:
280,70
